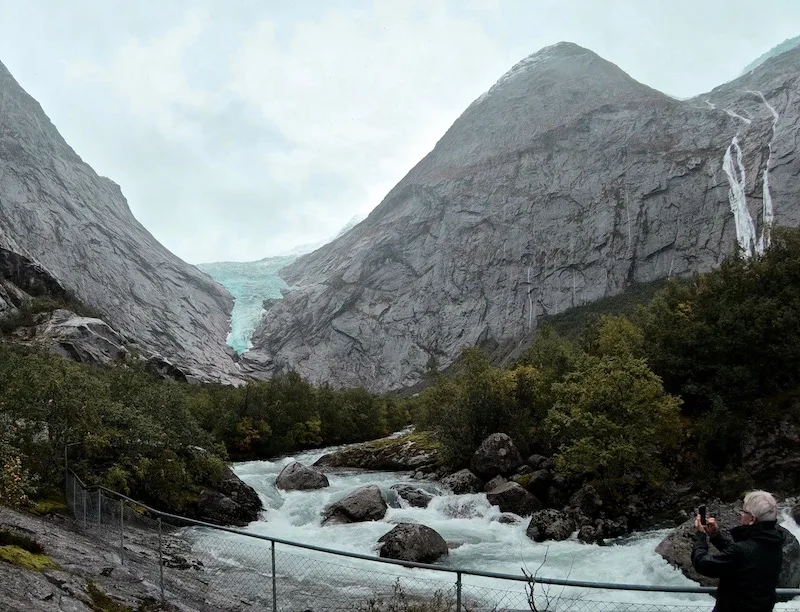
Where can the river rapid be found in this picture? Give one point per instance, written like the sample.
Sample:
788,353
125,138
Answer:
468,523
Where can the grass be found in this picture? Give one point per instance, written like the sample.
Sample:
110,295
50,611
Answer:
49,505
103,603
25,559
423,440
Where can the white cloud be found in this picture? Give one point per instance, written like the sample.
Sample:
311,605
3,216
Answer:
363,97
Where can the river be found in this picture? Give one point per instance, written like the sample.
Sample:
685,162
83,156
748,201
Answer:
467,522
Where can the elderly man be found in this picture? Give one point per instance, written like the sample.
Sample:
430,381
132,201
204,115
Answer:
747,565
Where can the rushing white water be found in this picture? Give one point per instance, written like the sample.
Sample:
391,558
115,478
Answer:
769,213
737,180
467,522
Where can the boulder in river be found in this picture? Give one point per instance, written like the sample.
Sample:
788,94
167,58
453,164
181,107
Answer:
496,455
298,477
415,543
676,548
550,524
231,502
462,482
511,497
494,483
795,513
364,504
413,495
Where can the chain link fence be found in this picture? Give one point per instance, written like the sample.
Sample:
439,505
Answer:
197,566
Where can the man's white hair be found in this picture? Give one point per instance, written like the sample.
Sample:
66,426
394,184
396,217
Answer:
761,505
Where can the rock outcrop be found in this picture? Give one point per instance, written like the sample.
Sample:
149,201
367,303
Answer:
233,502
496,455
550,524
510,497
795,514
415,543
568,181
418,452
298,477
75,227
364,504
676,548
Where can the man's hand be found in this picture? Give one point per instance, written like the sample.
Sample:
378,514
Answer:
698,526
711,527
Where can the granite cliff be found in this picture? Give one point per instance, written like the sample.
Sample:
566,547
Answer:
68,229
566,182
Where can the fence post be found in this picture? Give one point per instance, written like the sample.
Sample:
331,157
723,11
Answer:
66,475
160,563
122,532
458,591
274,581
84,492
99,510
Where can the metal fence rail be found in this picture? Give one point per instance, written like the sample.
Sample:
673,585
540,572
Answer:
220,568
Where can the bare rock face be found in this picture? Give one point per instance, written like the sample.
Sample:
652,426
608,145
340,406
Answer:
676,548
567,182
412,542
298,477
496,455
364,504
58,214
83,339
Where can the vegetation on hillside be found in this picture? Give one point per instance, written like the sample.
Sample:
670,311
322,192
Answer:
627,402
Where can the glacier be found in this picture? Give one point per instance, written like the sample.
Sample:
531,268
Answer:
250,283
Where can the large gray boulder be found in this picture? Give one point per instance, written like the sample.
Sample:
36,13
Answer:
462,482
56,212
550,524
497,454
565,183
364,504
298,477
511,497
676,548
232,502
412,542
415,496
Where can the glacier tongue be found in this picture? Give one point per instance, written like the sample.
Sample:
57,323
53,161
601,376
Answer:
250,283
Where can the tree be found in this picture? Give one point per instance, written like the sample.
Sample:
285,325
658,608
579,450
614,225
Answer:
613,422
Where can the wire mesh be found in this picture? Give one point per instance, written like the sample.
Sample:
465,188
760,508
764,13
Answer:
211,569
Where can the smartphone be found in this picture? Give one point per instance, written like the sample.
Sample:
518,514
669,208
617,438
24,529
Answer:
702,512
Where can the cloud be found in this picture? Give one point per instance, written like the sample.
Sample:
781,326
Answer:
310,123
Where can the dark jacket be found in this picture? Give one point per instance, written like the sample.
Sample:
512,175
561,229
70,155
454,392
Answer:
747,566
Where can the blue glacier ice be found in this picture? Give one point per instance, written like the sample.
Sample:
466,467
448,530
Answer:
250,283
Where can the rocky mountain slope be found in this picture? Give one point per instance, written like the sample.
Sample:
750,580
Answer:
566,182
76,227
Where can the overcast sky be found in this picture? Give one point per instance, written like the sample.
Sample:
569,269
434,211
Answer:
240,129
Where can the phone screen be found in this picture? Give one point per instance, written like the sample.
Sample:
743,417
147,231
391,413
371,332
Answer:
702,512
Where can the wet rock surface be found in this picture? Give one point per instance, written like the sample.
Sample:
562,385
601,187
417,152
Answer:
411,542
364,504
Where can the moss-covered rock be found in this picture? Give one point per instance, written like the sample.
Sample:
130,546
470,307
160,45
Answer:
25,559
